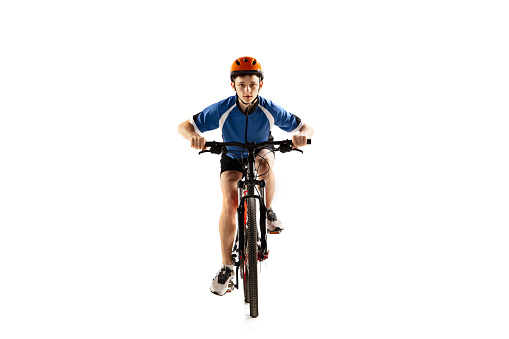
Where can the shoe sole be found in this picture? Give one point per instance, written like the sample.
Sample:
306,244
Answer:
230,288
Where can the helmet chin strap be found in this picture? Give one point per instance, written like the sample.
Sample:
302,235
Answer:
247,104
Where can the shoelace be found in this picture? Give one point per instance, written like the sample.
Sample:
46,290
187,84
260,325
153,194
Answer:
223,275
271,216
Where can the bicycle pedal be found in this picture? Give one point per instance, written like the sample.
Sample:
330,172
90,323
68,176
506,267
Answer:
274,232
231,287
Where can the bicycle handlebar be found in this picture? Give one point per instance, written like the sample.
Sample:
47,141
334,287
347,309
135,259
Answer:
251,145
218,147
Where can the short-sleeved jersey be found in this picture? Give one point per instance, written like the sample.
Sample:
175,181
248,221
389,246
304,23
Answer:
235,126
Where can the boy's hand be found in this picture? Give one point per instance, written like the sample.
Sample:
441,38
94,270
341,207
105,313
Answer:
198,142
299,140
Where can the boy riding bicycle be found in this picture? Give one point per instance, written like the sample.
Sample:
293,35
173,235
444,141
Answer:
245,117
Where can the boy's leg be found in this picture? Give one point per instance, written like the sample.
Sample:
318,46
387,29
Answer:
265,164
227,220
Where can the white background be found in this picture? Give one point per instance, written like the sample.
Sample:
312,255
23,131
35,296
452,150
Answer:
396,217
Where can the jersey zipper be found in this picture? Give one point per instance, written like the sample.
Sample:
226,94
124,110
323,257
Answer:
247,120
247,114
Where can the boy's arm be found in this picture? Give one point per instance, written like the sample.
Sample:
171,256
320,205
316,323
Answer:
186,129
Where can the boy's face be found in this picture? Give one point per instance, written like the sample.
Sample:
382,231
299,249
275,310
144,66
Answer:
247,87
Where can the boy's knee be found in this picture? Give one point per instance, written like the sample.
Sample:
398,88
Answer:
230,204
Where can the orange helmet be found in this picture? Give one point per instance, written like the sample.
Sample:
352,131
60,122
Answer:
246,65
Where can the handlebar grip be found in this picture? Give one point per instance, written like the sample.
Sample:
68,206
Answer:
309,142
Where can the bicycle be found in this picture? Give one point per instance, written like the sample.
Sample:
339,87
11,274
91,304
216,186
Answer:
250,245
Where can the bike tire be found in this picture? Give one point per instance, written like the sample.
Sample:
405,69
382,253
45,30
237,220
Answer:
252,257
243,263
244,282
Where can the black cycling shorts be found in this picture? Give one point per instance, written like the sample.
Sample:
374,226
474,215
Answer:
239,165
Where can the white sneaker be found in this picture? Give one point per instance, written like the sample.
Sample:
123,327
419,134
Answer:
274,225
223,281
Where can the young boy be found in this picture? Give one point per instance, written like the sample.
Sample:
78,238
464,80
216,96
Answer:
245,117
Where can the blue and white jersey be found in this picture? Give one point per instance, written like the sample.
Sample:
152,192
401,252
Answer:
237,127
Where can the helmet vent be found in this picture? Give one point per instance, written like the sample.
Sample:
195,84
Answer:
245,59
254,62
237,62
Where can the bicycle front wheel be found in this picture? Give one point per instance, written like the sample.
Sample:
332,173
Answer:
252,257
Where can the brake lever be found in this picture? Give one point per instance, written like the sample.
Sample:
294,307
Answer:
284,148
288,148
214,150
